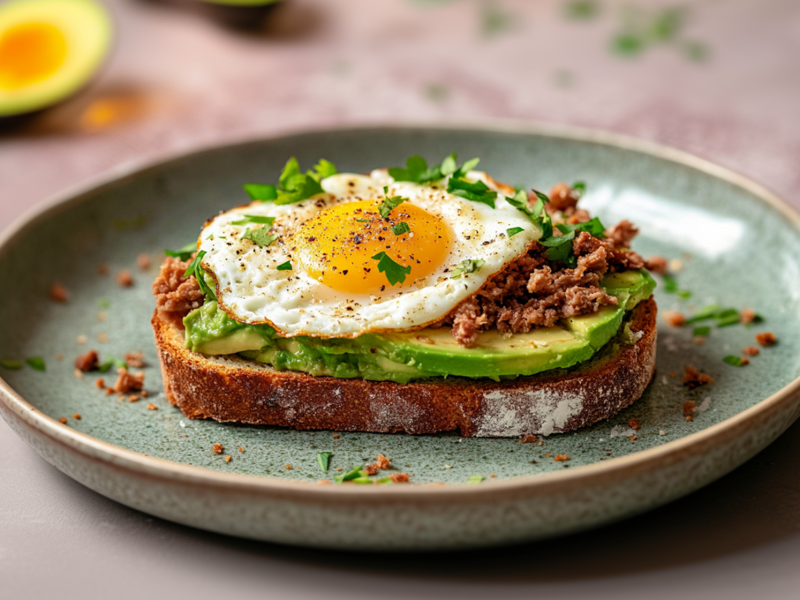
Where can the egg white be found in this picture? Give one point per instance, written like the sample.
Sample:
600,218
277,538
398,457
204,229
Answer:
252,290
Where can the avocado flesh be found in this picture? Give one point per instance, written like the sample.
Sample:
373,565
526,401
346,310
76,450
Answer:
81,28
402,357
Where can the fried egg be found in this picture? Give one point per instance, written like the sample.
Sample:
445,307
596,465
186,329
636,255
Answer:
331,241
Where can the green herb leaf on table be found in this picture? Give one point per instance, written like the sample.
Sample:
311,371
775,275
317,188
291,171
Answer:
324,460
348,475
287,266
184,253
475,479
671,287
401,228
728,317
514,231
736,361
261,191
705,313
11,364
259,236
36,363
395,273
469,265
254,219
389,204
703,331
579,187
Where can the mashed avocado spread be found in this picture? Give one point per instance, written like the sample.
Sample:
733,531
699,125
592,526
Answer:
402,357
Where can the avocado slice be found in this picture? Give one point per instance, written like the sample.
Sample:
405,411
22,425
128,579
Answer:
49,49
433,352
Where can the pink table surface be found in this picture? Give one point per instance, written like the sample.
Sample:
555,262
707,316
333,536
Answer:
177,81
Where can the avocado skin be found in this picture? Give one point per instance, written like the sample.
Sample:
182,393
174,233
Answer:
404,357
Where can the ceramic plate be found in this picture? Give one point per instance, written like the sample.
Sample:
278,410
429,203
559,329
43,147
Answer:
736,242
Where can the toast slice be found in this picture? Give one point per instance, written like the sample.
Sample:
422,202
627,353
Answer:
231,389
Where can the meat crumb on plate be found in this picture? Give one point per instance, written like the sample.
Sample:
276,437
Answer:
135,359
143,261
693,378
217,448
688,409
124,278
751,351
766,339
528,439
127,381
58,293
87,362
383,463
674,318
561,458
399,477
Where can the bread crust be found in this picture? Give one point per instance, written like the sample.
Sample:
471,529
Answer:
231,389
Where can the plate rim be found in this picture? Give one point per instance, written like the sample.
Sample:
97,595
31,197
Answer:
143,464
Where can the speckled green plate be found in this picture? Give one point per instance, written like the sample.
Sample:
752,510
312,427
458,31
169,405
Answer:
738,244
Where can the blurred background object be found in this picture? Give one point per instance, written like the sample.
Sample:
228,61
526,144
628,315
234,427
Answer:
717,78
49,49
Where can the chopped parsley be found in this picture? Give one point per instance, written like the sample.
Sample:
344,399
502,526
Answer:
287,266
705,313
536,214
362,220
579,188
293,186
559,248
348,475
35,362
112,362
475,479
729,316
254,219
703,331
324,460
395,273
196,270
389,204
11,365
467,266
261,191
184,253
475,191
104,303
671,287
736,361
514,231
401,228
259,236
417,170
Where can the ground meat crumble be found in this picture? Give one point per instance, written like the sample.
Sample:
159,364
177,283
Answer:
128,382
533,292
175,294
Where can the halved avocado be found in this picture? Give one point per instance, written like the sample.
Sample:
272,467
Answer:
49,49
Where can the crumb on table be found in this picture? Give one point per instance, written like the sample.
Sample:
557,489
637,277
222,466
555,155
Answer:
693,378
152,406
688,409
63,420
561,458
399,477
383,463
124,278
288,467
528,439
766,338
133,398
657,264
87,362
77,416
102,337
100,384
127,381
135,360
228,458
674,318
634,424
58,293
217,448
751,351
336,436
143,261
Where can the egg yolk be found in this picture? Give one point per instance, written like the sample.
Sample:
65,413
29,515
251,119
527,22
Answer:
29,53
337,246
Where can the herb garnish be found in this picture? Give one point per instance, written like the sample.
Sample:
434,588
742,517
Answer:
11,365
35,362
259,236
287,266
389,204
467,266
705,313
474,479
703,331
395,273
513,231
477,191
254,219
417,170
112,362
324,460
736,361
579,188
349,475
671,287
401,228
261,191
184,253
729,316
293,185
196,270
